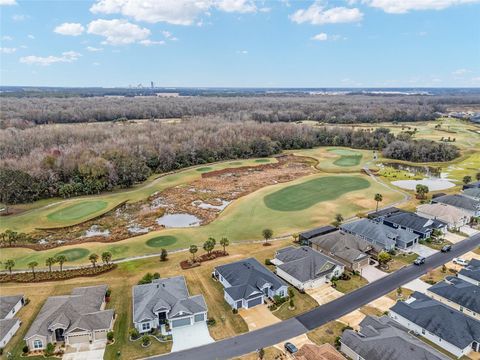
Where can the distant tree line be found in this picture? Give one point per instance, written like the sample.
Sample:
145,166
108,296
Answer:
72,160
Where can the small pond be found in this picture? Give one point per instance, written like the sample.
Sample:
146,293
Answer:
178,220
428,171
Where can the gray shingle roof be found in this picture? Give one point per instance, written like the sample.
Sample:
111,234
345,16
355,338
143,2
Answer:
415,222
247,277
7,303
472,270
459,291
384,212
317,232
81,309
6,325
379,233
445,322
170,294
383,339
459,201
304,263
472,192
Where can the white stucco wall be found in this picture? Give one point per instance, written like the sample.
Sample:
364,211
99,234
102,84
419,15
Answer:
15,309
9,335
472,281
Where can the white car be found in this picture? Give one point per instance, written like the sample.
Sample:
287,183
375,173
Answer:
460,261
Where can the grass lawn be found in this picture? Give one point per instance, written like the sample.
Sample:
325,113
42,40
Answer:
370,311
348,160
400,260
435,275
327,333
404,295
77,211
437,245
346,286
477,251
303,303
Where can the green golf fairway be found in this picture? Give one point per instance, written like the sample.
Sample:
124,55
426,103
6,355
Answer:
348,160
74,254
161,241
304,195
77,211
343,152
204,169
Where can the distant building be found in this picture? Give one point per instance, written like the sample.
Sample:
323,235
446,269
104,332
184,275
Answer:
471,272
464,203
304,237
454,217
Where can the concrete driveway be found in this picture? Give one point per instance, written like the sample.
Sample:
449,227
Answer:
92,351
324,294
298,341
383,303
468,256
187,337
468,230
417,285
371,273
453,238
258,317
423,250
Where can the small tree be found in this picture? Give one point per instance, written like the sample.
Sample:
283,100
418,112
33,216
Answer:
193,250
378,198
110,336
267,234
9,265
291,303
399,291
93,259
50,349
467,179
106,257
164,255
295,237
422,191
338,219
213,240
134,334
11,236
224,242
61,259
477,176
50,262
145,340
208,246
32,265
444,269
261,353
384,257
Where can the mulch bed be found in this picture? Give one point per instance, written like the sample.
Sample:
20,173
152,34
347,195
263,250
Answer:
188,264
56,275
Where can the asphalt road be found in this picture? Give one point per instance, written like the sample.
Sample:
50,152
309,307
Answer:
282,331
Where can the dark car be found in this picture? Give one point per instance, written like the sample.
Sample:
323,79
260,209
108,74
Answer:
292,349
446,248
419,260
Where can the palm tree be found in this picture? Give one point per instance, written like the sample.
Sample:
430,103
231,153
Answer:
106,257
193,249
224,242
378,198
93,259
61,259
11,236
208,246
267,234
467,179
32,265
49,262
9,265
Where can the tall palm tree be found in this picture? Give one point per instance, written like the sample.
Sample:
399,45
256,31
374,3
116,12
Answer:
32,265
49,262
224,242
378,198
9,265
61,259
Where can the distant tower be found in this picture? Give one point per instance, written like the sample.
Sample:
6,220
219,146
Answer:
151,84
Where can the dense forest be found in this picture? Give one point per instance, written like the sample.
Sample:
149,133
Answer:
343,109
75,159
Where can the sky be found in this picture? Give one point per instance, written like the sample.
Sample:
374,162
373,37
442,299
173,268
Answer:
240,43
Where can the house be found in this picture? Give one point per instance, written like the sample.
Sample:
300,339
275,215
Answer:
381,338
454,217
76,319
381,235
318,352
458,294
304,237
9,307
473,193
382,214
306,268
444,326
471,272
417,224
464,203
166,304
350,250
247,283
472,185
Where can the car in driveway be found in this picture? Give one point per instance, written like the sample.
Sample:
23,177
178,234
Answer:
446,248
460,261
419,260
289,347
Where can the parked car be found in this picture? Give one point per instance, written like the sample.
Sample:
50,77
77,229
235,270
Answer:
460,261
419,260
289,347
446,248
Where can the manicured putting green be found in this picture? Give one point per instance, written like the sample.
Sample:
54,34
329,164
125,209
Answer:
304,195
348,160
116,250
262,160
74,254
161,241
204,169
77,211
344,152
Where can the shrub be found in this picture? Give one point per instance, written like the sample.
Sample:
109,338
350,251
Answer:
49,350
156,275
291,293
145,340
146,279
211,321
25,349
164,255
110,336
108,293
268,262
235,311
134,334
278,300
337,341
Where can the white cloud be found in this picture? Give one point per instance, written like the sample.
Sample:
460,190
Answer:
320,37
317,14
8,2
66,57
6,38
239,6
93,49
118,32
71,29
404,6
168,35
96,64
30,36
148,42
243,52
6,50
20,17
460,72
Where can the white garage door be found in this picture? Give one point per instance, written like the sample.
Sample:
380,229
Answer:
78,339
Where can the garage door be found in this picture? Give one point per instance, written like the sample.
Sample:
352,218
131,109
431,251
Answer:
100,335
78,339
254,302
180,322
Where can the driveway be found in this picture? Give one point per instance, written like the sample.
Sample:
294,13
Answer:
468,230
258,317
383,303
324,294
298,341
371,273
468,256
417,285
187,337
423,250
453,238
353,319
92,351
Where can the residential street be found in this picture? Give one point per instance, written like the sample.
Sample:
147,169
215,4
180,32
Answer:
274,334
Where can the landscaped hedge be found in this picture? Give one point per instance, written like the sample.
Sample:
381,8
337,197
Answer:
40,276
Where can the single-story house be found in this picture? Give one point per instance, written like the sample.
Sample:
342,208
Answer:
304,237
8,328
419,225
318,352
471,272
381,338
381,235
380,215
459,294
473,193
247,283
9,307
472,185
464,203
306,268
79,318
454,217
350,250
166,302
444,326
